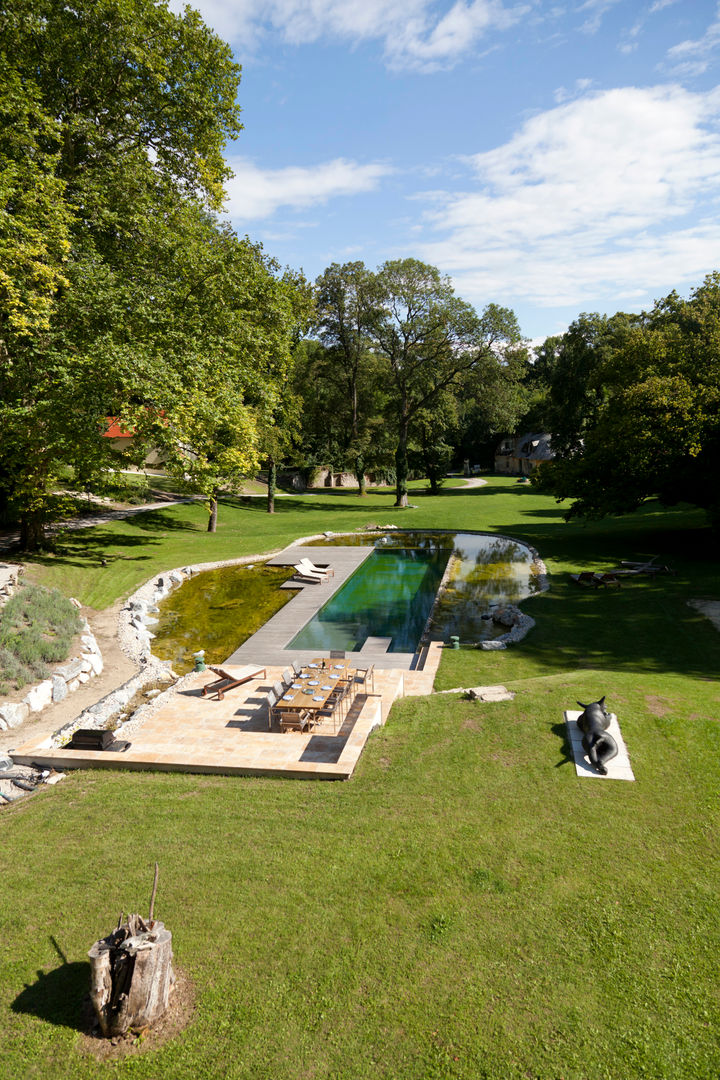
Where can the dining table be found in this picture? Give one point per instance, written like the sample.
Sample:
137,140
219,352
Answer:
312,687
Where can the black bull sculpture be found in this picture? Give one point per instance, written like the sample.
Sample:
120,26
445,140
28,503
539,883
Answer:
597,742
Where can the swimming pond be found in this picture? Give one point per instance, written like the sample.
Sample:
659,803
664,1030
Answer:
219,610
483,572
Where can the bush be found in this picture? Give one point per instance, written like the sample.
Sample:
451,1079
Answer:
37,627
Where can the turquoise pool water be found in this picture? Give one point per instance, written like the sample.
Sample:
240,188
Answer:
389,596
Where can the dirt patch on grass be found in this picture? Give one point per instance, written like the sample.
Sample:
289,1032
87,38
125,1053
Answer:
178,1016
658,706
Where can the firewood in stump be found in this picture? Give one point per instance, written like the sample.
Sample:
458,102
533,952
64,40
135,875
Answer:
131,975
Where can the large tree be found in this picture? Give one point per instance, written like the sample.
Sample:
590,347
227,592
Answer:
129,107
346,310
429,340
656,431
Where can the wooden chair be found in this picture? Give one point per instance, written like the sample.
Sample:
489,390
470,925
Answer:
363,676
295,721
271,702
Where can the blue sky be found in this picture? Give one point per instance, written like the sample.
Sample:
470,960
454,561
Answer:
551,157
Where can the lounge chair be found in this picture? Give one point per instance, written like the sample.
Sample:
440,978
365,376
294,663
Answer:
228,680
310,568
303,577
586,578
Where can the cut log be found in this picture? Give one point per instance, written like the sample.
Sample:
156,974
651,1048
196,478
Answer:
131,975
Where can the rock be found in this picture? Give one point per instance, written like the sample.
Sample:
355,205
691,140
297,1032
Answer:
73,685
59,688
95,661
71,670
55,778
83,677
40,696
3,724
90,643
489,645
152,693
6,763
176,577
75,603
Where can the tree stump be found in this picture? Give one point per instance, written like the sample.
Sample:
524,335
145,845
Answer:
131,975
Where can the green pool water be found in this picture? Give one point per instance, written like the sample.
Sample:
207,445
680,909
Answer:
217,611
389,596
484,570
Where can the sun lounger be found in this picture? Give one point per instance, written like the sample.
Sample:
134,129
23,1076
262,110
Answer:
305,578
594,579
228,680
308,567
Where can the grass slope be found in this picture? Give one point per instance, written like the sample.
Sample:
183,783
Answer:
465,907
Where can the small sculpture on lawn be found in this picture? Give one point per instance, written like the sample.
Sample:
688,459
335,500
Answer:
597,741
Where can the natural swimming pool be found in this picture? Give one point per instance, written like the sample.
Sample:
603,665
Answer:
389,596
218,610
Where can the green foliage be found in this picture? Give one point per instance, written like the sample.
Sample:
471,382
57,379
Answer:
642,411
401,352
37,627
149,309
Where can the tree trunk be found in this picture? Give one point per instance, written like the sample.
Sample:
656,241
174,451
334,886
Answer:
212,520
32,532
131,975
401,467
272,484
360,474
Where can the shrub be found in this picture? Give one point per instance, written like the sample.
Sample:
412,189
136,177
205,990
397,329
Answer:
37,627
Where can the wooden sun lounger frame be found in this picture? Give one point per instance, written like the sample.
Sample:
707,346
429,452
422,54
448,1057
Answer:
226,681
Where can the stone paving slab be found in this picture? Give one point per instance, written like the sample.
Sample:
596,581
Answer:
617,769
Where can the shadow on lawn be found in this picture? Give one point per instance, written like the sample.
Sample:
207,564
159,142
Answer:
58,996
562,733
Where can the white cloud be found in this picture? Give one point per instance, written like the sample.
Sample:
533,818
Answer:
418,34
593,197
693,57
255,193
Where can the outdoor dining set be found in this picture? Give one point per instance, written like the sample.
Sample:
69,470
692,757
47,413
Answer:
308,694
305,695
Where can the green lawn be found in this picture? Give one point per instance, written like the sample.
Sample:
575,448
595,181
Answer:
464,907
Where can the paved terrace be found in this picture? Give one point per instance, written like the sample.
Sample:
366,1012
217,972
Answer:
195,734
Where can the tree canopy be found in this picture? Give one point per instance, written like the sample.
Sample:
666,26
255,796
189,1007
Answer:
649,422
121,294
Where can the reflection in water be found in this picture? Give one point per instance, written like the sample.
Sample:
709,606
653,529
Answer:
484,571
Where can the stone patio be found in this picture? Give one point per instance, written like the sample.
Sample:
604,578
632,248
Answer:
191,733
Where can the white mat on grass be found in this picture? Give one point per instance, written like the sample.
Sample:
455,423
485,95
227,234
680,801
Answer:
617,769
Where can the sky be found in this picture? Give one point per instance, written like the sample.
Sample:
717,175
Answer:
551,157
